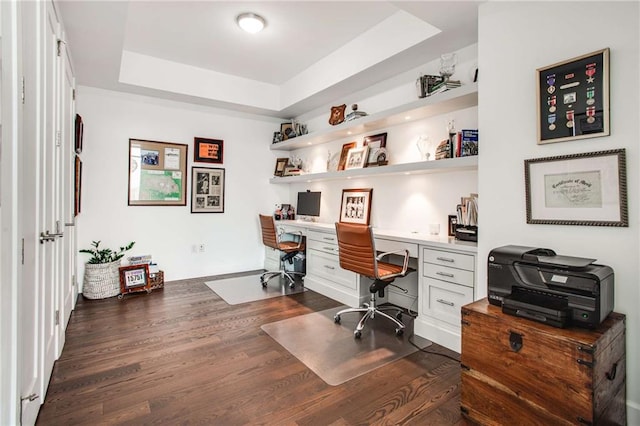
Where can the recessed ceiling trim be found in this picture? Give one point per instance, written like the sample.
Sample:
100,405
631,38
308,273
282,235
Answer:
154,73
395,34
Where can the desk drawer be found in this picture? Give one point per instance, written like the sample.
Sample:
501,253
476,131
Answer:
328,267
448,258
445,273
443,300
323,246
323,237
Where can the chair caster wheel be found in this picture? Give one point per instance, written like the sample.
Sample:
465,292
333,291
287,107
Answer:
336,319
292,285
399,331
264,283
399,316
357,334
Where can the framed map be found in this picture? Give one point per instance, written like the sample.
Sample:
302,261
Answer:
157,173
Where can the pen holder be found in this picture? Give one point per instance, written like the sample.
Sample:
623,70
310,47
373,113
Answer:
467,233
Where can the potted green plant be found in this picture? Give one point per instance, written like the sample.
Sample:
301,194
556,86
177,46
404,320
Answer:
101,277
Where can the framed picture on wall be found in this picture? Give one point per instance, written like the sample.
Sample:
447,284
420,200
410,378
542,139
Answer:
157,173
207,190
573,98
356,206
208,150
77,190
579,189
79,129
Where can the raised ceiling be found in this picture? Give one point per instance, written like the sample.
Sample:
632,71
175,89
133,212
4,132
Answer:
309,54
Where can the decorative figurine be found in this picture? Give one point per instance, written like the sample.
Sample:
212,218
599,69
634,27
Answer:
337,114
355,113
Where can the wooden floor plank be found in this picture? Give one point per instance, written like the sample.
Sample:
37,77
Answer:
181,355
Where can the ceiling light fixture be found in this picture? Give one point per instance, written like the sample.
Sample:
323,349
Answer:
250,22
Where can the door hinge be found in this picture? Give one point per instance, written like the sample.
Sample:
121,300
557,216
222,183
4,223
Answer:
58,138
23,90
59,46
57,318
22,252
73,281
73,94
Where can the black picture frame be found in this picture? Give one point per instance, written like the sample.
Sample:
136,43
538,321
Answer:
377,154
573,98
207,190
78,134
587,189
208,150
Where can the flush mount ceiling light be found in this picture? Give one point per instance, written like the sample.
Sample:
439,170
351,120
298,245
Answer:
250,22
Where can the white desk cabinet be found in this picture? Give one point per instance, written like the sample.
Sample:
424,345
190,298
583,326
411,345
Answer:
324,273
447,282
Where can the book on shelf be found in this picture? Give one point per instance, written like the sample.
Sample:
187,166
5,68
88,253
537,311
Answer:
469,142
139,260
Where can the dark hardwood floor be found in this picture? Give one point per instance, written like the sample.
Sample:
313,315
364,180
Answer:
181,355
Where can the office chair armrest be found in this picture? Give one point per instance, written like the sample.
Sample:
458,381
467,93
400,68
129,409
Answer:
405,263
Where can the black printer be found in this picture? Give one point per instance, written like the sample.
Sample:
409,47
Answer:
536,283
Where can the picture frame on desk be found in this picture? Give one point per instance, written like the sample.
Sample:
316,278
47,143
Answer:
588,189
573,98
356,206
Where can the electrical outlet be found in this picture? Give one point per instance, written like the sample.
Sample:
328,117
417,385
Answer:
201,248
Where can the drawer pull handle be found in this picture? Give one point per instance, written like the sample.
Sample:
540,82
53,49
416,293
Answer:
328,238
329,248
445,302
330,267
444,274
446,259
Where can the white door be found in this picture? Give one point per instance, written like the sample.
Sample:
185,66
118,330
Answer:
40,209
68,291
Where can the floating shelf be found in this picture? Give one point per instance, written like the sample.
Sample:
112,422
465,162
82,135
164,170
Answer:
441,103
421,167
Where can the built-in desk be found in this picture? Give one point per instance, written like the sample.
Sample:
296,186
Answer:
445,280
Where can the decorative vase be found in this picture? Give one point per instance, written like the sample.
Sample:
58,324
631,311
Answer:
101,280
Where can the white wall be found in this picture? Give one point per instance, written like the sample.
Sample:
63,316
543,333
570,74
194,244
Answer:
231,238
515,39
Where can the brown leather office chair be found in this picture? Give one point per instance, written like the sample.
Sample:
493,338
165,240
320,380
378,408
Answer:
289,249
357,253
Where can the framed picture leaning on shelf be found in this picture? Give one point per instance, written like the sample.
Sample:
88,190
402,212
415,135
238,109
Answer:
356,206
377,155
356,158
343,154
207,190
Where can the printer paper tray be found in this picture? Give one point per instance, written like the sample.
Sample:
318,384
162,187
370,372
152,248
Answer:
555,317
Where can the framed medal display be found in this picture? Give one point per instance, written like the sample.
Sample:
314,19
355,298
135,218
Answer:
573,98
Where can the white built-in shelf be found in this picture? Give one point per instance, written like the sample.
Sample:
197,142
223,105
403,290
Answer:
441,103
420,167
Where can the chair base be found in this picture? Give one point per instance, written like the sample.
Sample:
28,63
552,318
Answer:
370,311
290,275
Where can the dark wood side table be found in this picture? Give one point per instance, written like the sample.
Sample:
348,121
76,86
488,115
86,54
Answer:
518,371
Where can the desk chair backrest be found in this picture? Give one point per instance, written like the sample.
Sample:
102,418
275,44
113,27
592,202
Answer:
269,236
356,249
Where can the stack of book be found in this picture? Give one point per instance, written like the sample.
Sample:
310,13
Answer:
142,260
442,86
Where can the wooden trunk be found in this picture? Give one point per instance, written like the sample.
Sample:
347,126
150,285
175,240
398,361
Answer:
518,371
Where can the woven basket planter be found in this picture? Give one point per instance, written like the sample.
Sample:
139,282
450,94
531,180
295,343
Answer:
101,280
